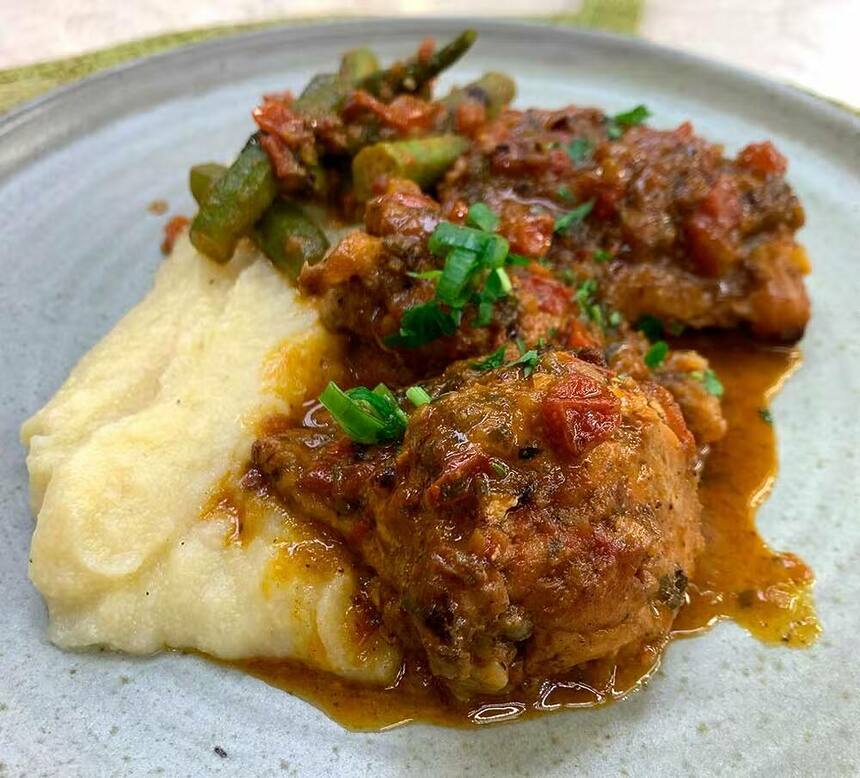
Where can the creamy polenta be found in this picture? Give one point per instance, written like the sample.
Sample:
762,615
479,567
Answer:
138,546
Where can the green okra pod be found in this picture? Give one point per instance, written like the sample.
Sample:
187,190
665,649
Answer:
423,160
234,203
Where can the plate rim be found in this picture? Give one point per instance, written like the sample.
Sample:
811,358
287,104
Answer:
31,117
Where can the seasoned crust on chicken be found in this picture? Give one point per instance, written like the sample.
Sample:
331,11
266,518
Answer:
369,279
695,238
526,524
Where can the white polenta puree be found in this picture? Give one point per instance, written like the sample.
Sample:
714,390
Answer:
132,549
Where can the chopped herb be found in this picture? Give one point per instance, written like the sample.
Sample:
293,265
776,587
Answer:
564,221
521,345
474,272
578,149
422,324
675,328
765,415
499,468
459,267
565,193
585,292
496,359
656,355
449,236
651,326
418,396
615,319
709,379
427,275
567,276
482,217
516,259
621,121
528,360
601,255
367,416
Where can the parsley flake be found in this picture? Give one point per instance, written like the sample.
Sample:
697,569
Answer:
766,415
656,355
578,149
496,359
563,222
621,121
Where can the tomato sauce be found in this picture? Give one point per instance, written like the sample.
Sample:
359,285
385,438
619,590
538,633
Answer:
738,577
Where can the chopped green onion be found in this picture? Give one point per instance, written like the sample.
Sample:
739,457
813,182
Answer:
615,319
422,324
449,236
578,149
496,252
601,255
498,284
485,313
482,217
459,267
766,415
427,275
496,359
516,259
381,390
564,192
366,416
656,355
564,221
418,396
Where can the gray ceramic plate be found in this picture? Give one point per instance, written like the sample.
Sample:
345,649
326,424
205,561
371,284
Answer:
77,170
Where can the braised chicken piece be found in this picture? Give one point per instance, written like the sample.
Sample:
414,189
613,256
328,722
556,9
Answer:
369,280
534,516
666,224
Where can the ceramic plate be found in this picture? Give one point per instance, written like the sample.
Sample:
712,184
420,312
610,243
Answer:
77,171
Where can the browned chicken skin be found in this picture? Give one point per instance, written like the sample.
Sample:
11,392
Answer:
695,238
526,524
367,281
540,515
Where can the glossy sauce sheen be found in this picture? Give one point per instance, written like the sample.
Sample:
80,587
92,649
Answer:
737,577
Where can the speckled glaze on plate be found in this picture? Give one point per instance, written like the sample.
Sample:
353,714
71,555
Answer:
77,170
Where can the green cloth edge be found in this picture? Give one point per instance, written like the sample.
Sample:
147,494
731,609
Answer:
20,84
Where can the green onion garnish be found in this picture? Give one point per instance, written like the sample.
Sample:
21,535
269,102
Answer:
482,217
572,217
655,355
418,396
427,275
459,266
449,236
601,255
766,415
367,416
